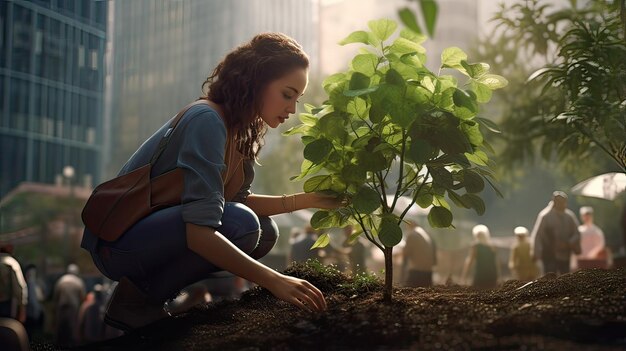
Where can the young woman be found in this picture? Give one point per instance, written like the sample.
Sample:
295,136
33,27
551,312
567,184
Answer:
220,224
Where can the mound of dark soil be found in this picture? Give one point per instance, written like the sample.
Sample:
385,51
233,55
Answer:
585,310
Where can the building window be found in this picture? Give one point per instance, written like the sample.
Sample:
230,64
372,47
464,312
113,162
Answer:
81,56
94,60
59,132
91,135
38,42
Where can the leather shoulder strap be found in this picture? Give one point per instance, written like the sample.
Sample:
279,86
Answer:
170,129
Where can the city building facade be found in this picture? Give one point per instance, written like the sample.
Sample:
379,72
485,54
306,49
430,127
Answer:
52,86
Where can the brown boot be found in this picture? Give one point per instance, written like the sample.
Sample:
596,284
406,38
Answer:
130,308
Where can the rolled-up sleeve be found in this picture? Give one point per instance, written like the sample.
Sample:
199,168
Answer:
201,157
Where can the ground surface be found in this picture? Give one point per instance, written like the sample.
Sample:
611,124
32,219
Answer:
585,310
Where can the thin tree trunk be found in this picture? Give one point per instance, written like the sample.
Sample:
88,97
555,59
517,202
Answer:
388,274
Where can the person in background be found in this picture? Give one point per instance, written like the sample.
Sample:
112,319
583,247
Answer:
69,293
486,271
592,245
301,246
521,262
91,316
555,235
419,256
13,288
34,309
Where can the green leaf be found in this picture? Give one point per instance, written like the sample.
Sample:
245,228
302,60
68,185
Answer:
357,107
439,217
366,200
473,133
359,81
475,202
370,161
353,173
420,151
463,99
360,92
429,84
359,36
412,36
478,157
402,46
429,12
402,114
394,78
424,200
483,93
383,28
322,219
489,124
365,63
493,81
439,200
308,119
475,70
321,242
442,177
408,19
389,232
452,141
377,112
332,127
338,185
334,79
318,183
317,150
472,181
451,57
457,199
299,129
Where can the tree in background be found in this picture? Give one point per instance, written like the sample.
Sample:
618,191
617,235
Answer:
573,63
531,36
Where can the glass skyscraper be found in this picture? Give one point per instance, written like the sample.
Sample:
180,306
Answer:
51,90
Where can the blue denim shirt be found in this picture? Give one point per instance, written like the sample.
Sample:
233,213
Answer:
197,146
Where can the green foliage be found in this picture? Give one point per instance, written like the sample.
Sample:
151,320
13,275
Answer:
574,104
429,12
392,127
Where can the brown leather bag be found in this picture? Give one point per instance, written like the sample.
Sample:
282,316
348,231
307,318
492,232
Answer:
116,205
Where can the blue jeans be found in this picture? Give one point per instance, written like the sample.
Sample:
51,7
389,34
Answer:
154,255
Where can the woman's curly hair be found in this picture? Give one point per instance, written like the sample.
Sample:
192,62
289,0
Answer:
238,82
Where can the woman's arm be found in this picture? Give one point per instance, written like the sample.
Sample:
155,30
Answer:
215,248
268,205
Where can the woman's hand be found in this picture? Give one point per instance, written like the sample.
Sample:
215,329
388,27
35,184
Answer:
298,292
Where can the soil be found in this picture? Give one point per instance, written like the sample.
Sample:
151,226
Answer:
585,310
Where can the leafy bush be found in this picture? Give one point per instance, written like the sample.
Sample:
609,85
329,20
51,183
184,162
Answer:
392,128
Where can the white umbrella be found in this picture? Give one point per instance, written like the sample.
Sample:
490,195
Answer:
605,186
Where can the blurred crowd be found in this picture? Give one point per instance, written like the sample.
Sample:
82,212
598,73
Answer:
70,312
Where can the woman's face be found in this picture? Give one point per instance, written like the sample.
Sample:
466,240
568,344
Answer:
280,97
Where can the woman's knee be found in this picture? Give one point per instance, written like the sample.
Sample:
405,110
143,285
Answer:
269,237
241,226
